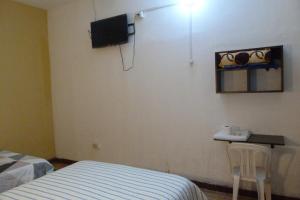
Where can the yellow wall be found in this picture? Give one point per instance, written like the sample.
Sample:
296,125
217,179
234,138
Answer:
25,93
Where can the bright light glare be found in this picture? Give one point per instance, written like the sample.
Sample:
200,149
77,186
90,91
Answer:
191,5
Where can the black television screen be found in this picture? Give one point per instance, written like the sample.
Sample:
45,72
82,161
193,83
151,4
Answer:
110,31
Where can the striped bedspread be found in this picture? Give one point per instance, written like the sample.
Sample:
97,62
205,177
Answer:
89,180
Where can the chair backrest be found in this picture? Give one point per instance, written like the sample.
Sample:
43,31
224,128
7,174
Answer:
248,158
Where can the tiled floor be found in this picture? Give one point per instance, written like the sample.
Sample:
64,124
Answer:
58,165
212,195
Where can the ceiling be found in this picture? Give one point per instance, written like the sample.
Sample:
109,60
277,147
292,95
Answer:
44,4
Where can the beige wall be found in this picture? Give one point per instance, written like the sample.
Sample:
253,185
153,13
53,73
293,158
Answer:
25,108
163,114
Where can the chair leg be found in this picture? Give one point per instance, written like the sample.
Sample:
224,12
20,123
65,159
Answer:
268,190
236,183
260,189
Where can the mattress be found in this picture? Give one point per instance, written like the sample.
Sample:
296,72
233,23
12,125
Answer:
17,169
91,180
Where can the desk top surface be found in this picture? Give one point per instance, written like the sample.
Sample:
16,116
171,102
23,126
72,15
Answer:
266,139
263,139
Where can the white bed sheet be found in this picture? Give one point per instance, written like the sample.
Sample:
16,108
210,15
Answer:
89,180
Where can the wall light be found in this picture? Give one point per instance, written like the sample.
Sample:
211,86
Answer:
187,6
191,5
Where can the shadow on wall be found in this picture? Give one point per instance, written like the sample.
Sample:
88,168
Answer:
282,158
288,71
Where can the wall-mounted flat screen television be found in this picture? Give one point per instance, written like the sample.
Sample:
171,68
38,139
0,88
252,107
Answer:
110,31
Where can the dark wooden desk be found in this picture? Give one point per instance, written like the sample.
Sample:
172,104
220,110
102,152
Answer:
271,140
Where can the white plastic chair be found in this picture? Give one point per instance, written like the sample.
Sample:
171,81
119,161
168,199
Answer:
251,162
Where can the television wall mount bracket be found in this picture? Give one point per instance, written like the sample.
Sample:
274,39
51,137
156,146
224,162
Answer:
133,26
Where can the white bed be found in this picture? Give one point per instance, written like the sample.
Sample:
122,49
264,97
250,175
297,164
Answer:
87,180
